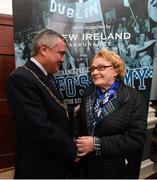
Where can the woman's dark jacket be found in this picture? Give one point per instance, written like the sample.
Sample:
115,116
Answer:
122,136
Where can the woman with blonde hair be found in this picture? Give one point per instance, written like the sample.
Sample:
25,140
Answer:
111,124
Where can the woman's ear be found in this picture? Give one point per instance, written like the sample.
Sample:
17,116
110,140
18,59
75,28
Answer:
115,73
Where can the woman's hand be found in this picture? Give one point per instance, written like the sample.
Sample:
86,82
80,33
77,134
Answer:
85,145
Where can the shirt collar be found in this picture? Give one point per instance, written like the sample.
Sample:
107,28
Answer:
39,66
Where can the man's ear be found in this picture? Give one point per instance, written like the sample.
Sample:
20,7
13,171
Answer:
43,49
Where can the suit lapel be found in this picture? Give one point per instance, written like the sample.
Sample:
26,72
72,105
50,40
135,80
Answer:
45,79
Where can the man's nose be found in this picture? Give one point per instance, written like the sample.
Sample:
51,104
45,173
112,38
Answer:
62,59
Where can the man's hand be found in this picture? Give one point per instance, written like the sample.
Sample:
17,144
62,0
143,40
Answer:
76,109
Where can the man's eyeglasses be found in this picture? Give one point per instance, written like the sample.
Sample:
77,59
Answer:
99,68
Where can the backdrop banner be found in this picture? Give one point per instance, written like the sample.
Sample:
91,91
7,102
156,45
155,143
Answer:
128,27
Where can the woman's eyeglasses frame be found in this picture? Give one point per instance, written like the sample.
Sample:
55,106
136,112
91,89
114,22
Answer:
99,68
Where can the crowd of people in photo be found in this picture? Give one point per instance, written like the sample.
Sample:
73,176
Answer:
139,49
136,52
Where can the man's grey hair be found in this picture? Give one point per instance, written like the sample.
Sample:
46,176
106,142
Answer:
45,37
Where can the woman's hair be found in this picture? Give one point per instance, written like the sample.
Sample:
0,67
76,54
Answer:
46,37
114,59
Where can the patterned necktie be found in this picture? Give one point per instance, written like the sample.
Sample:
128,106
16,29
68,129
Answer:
54,84
52,80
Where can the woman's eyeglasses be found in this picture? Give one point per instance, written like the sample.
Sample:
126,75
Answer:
99,68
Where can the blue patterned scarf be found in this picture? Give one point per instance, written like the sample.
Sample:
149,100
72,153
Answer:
103,105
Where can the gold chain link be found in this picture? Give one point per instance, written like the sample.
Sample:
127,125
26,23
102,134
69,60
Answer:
63,105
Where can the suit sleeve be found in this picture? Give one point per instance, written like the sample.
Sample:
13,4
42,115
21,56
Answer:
32,121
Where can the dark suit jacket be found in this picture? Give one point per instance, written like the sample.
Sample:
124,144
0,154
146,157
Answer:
44,147
122,135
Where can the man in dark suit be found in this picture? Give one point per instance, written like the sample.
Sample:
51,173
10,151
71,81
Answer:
44,148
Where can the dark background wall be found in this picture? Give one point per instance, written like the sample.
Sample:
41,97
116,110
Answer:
7,65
